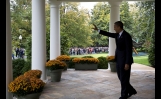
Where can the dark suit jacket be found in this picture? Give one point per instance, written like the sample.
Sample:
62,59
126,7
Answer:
123,53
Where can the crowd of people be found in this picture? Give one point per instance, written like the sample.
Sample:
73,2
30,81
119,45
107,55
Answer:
20,52
88,50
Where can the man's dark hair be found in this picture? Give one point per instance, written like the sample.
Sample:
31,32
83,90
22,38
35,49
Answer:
119,23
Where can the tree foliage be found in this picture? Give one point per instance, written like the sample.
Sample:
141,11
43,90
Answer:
144,22
125,16
74,25
100,16
20,20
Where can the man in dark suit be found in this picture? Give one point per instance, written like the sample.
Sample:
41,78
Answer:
123,57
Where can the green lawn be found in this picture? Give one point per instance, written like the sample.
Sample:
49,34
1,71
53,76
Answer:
142,60
137,59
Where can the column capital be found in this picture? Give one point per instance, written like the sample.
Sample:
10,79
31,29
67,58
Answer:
114,2
54,3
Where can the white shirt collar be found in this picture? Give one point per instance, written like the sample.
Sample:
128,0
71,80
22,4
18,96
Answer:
121,33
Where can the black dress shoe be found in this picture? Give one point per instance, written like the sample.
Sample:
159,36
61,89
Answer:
122,98
130,94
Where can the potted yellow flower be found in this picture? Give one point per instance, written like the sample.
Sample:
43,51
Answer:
64,58
85,63
26,87
55,67
111,58
112,63
33,73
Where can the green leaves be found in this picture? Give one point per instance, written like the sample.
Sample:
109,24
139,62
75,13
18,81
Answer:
125,16
101,18
74,24
20,20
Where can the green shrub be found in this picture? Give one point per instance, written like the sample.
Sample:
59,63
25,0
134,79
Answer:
71,64
151,59
151,56
103,63
28,48
65,43
18,65
27,67
87,57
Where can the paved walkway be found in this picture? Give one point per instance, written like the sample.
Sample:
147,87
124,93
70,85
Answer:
100,84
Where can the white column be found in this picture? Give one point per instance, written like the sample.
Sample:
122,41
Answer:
9,73
114,16
38,36
54,29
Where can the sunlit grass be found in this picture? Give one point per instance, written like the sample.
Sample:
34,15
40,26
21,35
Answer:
142,60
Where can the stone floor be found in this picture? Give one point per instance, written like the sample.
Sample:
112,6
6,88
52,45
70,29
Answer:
100,84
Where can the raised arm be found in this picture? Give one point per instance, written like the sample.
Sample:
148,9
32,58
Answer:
113,35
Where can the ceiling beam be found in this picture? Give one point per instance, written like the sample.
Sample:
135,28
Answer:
98,0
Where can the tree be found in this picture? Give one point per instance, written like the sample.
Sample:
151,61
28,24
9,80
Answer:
74,25
135,32
47,10
145,23
125,16
20,20
100,16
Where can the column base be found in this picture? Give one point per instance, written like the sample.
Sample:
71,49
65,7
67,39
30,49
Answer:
46,80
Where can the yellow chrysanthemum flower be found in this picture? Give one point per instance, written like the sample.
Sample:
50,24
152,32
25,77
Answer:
23,85
111,58
63,58
55,64
85,60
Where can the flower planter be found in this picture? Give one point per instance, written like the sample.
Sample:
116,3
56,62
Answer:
55,65
23,87
56,75
30,96
112,66
33,73
48,72
85,66
64,58
66,66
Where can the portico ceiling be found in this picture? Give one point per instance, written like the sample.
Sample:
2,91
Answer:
99,0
